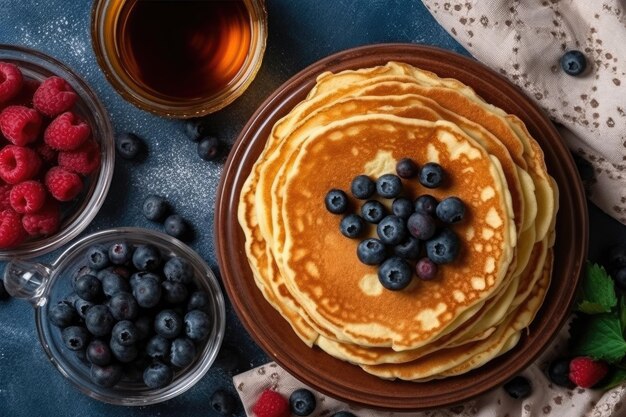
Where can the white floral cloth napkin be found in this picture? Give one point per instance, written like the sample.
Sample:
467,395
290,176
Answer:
524,41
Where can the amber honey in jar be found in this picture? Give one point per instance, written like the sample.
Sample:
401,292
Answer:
180,58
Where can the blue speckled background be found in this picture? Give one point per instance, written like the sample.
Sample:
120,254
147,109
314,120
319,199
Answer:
301,31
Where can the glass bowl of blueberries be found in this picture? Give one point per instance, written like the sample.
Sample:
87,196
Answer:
130,316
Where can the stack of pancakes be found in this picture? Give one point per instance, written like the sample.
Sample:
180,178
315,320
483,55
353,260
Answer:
362,122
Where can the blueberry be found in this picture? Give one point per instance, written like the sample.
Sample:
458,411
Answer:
302,402
209,148
362,187
88,288
128,145
352,226
97,257
389,186
426,204
113,284
402,207
199,300
451,210
178,269
75,337
518,388
426,269
431,175
176,226
155,208
620,278
421,226
99,353
223,402
157,375
99,320
106,376
158,347
125,333
573,62
174,292
409,249
406,168
4,295
182,352
82,306
147,292
558,372
62,314
444,247
336,201
343,414
120,253
371,252
144,327
124,354
196,129
122,271
137,277
392,230
197,325
168,324
373,211
395,274
146,258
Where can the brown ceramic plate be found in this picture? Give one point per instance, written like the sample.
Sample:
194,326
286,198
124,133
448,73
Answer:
348,382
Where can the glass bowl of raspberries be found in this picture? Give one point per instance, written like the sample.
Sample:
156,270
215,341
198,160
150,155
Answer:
56,153
130,316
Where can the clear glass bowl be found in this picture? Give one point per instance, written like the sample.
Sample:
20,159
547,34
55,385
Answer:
38,66
106,17
45,285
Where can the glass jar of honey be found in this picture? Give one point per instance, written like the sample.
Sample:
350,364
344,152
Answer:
179,58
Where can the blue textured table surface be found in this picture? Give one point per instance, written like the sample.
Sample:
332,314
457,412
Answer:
301,32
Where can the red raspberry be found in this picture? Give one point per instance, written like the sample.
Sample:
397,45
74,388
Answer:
84,160
11,231
25,96
45,222
28,197
5,191
46,153
18,164
20,125
585,372
62,184
66,132
10,81
271,404
54,96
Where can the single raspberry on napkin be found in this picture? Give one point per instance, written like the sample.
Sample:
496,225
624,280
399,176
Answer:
45,222
271,404
54,96
28,196
10,81
66,132
20,125
18,164
83,160
11,231
62,184
585,372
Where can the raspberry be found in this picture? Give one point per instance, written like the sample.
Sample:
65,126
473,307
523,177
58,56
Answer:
10,81
20,125
45,222
25,96
62,184
27,197
18,164
271,404
585,372
54,96
11,231
66,132
46,153
84,160
5,191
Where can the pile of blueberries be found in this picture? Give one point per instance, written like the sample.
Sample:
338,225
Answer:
402,232
134,314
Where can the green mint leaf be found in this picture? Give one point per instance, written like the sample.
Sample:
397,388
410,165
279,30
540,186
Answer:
622,312
598,292
600,337
616,377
